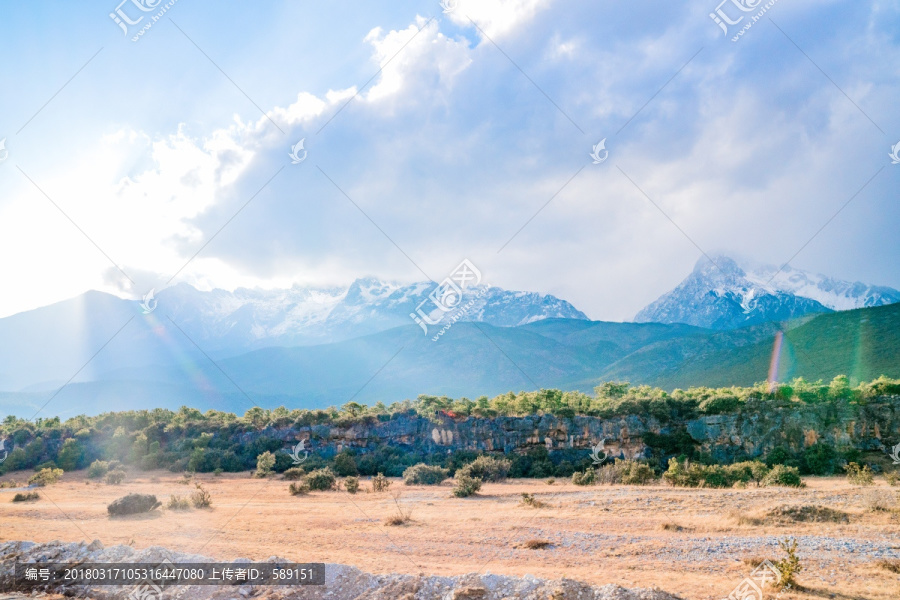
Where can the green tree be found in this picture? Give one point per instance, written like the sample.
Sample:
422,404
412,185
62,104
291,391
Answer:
71,455
264,464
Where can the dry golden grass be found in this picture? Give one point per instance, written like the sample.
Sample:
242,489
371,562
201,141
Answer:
619,527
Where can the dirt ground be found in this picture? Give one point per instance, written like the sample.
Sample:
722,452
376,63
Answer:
699,543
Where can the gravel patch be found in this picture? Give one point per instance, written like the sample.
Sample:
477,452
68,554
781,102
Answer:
342,582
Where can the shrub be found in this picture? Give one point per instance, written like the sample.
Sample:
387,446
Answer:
97,469
345,465
422,474
820,459
217,471
536,544
551,481
892,478
859,475
115,477
380,483
782,475
629,472
20,497
401,517
201,497
351,484
790,565
45,477
588,477
320,479
133,504
265,462
465,486
530,500
299,488
487,468
294,473
178,503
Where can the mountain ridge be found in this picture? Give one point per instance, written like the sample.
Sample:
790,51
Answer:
720,293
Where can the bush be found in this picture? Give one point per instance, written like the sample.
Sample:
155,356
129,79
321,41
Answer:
820,459
320,479
178,503
487,468
789,566
422,474
530,500
782,475
859,475
465,486
20,497
294,473
265,462
628,472
201,497
45,477
115,477
97,469
401,517
892,478
133,504
299,488
380,483
345,465
351,484
586,478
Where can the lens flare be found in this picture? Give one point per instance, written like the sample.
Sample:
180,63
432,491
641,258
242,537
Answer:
773,363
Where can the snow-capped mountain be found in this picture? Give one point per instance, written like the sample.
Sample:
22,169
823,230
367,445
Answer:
724,295
299,315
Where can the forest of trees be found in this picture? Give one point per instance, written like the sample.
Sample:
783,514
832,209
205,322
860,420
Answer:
190,440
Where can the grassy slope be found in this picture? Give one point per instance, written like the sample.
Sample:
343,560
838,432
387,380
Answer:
863,343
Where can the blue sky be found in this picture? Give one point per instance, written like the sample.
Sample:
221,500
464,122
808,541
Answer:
479,118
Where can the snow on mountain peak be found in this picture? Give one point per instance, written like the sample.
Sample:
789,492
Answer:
724,293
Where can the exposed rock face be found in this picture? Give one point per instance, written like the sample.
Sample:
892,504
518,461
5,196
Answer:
754,430
757,428
342,582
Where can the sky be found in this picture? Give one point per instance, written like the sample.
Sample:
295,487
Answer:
436,133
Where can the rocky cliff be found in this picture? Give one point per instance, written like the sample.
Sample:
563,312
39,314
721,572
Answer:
754,430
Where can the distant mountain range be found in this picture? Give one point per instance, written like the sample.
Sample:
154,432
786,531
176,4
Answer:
231,322
721,294
317,347
42,348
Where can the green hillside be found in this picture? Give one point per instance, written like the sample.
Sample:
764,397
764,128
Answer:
863,344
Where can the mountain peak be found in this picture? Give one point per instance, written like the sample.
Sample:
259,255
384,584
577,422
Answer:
721,293
716,266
